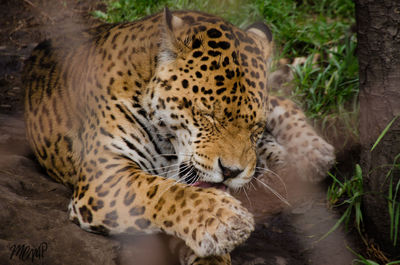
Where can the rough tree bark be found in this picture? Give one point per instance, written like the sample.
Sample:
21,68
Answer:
378,30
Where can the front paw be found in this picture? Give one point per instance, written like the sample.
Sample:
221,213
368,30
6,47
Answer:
222,224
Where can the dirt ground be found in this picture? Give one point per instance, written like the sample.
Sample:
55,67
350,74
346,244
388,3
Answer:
33,208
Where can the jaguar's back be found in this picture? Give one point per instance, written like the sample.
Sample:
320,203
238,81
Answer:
63,78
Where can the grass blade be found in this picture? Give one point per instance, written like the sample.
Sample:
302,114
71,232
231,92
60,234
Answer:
383,133
342,218
361,258
396,224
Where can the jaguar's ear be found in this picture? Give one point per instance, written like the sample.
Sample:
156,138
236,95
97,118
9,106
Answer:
172,22
260,29
171,46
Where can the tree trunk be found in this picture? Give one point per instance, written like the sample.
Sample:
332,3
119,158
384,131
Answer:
378,30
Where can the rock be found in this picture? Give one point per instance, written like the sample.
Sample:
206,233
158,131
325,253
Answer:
33,212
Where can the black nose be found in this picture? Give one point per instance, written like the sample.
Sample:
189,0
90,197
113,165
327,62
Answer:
227,172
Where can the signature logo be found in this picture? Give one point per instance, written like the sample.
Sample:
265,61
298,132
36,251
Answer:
27,252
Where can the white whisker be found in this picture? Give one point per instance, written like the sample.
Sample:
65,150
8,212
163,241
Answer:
274,192
195,179
245,193
253,186
276,175
178,180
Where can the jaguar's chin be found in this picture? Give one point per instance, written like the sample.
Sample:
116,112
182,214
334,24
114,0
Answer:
203,184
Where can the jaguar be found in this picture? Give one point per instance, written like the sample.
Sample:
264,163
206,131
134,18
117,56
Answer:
152,122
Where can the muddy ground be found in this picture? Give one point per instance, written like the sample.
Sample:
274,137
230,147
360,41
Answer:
33,208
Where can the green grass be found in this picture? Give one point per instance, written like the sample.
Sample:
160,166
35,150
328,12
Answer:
347,194
394,201
363,261
127,10
238,12
317,29
326,85
300,29
394,188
